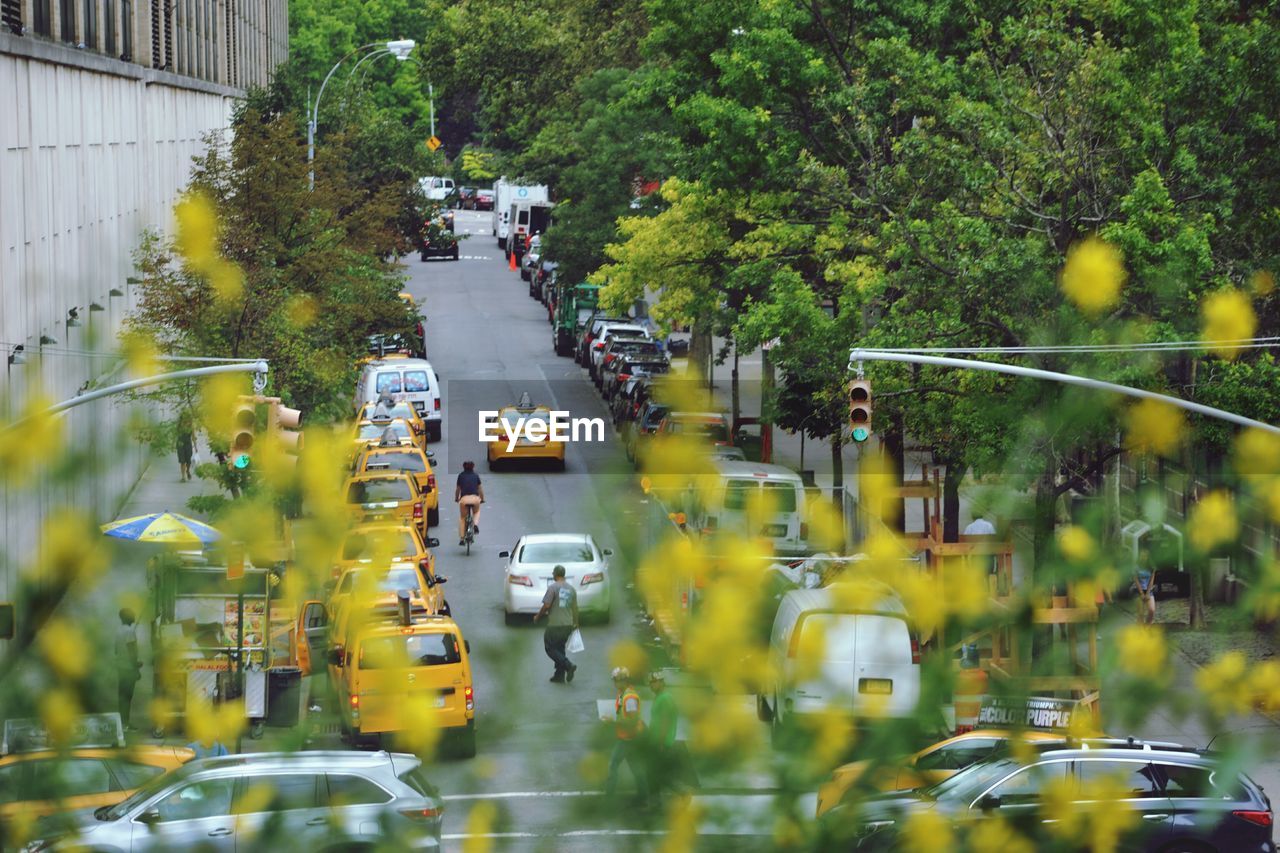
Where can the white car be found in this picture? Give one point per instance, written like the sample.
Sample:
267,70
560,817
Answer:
529,567
608,330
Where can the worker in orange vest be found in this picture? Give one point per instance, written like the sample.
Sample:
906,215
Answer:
628,726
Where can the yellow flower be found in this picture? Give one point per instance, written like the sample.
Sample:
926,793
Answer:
1257,453
1142,650
1152,426
995,834
1262,283
1224,684
1096,822
926,831
1264,684
1076,544
1272,495
197,229
682,825
1093,275
58,712
1213,521
71,550
64,648
1228,316
27,449
479,826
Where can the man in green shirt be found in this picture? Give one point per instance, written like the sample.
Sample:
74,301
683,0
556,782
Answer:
666,769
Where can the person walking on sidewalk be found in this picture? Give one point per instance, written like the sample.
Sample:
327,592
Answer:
185,445
668,768
560,606
628,727
1144,581
128,666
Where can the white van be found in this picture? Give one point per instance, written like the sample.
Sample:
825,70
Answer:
436,188
869,665
411,379
723,507
504,193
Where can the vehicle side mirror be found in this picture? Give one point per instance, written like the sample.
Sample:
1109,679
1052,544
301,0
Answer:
433,542
467,643
504,553
149,817
335,655
439,579
431,454
988,802
608,552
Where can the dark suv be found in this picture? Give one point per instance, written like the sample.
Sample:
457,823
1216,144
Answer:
1184,799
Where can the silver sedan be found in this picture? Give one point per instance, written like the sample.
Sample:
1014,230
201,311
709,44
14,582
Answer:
529,567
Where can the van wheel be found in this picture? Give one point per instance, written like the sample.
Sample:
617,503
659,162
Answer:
455,253
763,711
466,741
433,517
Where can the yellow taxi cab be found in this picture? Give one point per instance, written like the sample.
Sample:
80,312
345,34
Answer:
399,409
532,427
390,498
406,460
37,781
929,766
396,430
376,585
384,544
389,664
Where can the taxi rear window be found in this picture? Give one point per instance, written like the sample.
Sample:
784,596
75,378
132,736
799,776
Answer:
411,462
413,650
371,491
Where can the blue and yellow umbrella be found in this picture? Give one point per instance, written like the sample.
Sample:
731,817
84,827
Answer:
164,527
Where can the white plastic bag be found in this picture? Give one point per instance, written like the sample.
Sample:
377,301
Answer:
574,643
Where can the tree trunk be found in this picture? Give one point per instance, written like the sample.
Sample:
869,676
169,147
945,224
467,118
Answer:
768,380
951,481
1043,519
699,351
894,444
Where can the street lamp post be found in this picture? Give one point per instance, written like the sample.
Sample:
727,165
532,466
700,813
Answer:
400,49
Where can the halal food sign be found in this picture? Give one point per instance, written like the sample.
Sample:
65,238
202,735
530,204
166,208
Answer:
1035,712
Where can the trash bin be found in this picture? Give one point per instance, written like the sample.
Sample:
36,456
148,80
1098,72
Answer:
284,696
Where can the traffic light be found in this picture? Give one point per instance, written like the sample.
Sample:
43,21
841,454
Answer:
243,421
282,426
860,410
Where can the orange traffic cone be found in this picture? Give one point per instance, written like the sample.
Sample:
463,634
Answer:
511,260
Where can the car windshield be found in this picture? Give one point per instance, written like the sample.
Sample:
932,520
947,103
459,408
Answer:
967,784
379,491
556,552
409,462
137,798
394,543
415,650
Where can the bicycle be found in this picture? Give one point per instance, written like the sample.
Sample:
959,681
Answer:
470,528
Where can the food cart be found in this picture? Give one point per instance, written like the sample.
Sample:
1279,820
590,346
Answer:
212,634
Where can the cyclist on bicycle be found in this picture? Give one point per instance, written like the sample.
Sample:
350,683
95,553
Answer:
468,493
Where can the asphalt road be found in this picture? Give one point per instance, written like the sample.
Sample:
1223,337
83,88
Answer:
489,342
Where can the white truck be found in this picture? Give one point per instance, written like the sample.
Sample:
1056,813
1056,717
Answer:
504,194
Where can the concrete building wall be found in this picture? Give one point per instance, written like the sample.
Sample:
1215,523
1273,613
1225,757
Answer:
93,151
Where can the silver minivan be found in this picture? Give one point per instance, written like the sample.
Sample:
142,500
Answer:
410,379
284,800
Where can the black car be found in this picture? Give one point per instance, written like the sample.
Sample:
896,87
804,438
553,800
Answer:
643,425
637,366
437,238
625,347
465,198
1183,799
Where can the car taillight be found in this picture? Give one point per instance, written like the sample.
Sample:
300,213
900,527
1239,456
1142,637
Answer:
422,814
470,695
431,482
623,377
915,649
1257,818
598,345
355,700
519,580
417,510
594,577
963,728
437,404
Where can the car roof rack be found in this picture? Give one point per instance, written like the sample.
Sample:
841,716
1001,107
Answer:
1127,743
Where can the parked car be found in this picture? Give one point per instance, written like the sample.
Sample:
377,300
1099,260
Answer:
464,198
1183,799
436,188
304,800
483,200
590,331
644,425
437,238
635,367
543,281
618,348
529,260
621,330
528,573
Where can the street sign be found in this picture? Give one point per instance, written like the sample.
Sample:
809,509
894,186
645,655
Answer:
434,142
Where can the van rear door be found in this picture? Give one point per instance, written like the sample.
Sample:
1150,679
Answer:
886,682
823,647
